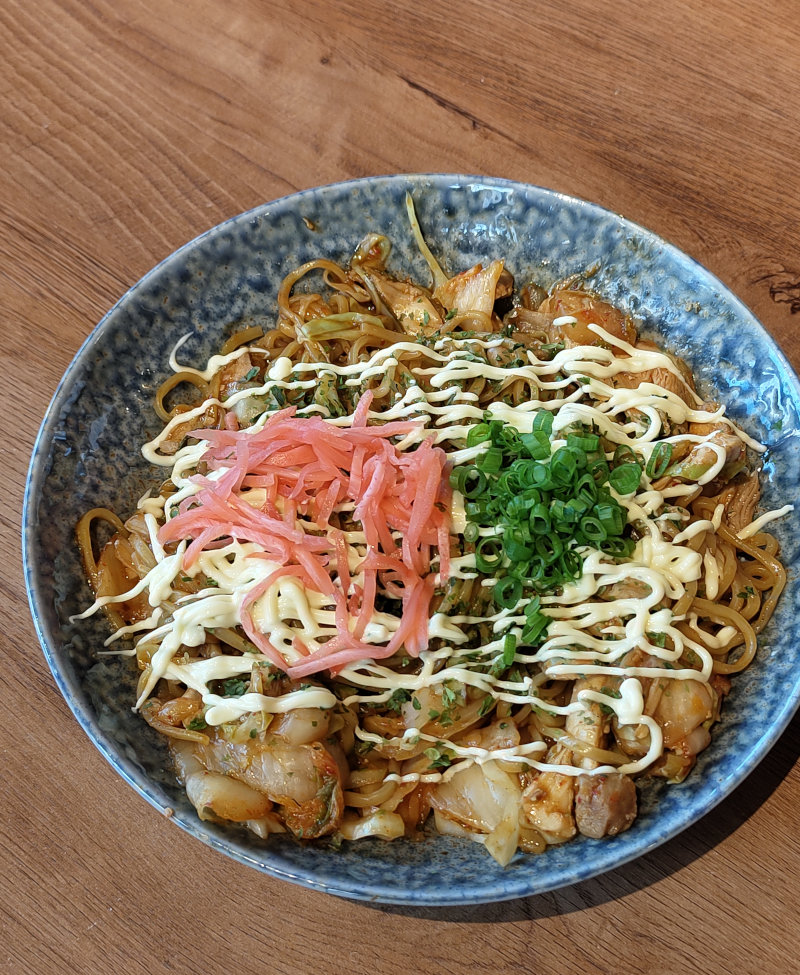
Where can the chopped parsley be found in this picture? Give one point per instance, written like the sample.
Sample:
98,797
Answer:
449,696
438,757
234,687
398,699
486,706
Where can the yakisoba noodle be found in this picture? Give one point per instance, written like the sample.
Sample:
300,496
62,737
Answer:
464,555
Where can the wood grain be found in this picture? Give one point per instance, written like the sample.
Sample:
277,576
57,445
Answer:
130,127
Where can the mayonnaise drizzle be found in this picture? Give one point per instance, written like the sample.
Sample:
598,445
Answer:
579,379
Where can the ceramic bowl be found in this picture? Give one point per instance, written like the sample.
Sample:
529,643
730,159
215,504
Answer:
87,455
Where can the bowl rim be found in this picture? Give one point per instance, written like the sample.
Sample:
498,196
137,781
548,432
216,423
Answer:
604,857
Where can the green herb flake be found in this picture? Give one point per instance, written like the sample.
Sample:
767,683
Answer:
486,706
449,696
438,758
234,687
398,699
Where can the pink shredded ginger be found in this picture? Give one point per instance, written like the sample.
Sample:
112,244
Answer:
307,467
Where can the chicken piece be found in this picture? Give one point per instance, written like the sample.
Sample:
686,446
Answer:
499,734
505,285
692,710
589,725
683,706
531,323
547,801
474,290
703,457
626,589
633,739
177,434
703,429
587,309
407,302
604,804
658,377
232,375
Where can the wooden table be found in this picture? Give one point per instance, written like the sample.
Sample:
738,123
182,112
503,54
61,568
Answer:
130,127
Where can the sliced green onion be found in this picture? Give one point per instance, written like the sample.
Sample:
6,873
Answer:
659,460
618,547
571,563
539,519
489,554
593,529
531,509
476,511
599,470
537,444
624,455
610,517
543,420
507,592
477,434
588,443
586,488
509,649
563,465
516,544
549,547
469,481
491,461
471,532
535,624
625,478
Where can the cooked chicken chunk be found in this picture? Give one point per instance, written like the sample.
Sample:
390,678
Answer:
604,804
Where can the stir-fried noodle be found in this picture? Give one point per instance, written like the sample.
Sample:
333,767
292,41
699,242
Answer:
470,555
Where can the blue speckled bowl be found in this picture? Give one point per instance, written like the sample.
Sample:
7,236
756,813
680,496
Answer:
86,455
